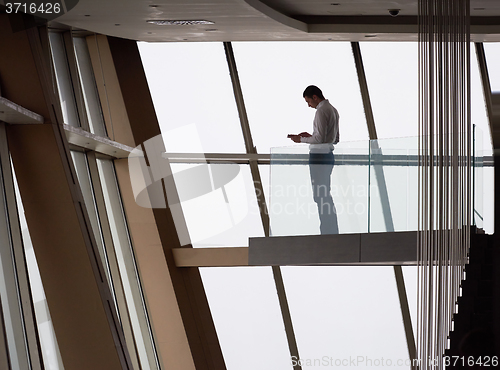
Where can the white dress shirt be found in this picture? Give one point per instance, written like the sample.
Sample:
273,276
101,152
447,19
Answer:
325,125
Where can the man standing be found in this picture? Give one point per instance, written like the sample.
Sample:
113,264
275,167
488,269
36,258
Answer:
321,159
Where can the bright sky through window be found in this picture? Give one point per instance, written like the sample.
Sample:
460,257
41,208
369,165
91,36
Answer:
336,312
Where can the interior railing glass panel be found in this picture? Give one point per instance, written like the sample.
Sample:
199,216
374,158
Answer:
373,185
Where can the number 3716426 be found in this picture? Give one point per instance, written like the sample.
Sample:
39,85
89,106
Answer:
33,8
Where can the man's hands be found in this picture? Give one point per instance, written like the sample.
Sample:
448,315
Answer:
296,138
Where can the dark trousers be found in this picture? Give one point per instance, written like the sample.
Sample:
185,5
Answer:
320,168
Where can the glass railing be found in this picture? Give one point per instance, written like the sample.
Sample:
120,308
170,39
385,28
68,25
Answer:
373,187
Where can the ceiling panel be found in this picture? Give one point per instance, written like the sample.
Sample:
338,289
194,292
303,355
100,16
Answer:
267,20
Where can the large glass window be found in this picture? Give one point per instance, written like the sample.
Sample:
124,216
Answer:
479,118
336,311
391,70
89,88
492,51
101,197
247,317
126,263
115,252
193,97
63,78
82,171
273,77
342,313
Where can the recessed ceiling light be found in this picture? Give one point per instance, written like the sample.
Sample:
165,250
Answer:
179,22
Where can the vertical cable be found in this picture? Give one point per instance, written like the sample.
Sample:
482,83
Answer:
445,144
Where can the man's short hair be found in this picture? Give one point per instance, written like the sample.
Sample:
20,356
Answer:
313,90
